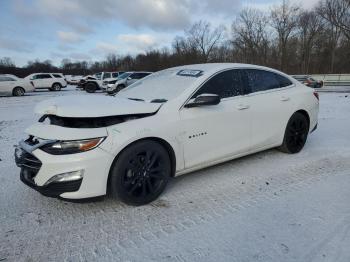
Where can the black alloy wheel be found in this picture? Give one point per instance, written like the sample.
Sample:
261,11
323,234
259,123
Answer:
296,134
140,173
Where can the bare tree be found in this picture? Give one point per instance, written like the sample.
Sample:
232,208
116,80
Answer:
284,19
337,12
310,26
6,62
250,36
202,38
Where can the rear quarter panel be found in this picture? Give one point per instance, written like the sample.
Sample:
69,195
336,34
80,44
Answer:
305,100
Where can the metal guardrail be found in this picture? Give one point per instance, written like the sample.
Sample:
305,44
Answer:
334,79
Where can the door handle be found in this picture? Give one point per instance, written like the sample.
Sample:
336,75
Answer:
284,98
242,107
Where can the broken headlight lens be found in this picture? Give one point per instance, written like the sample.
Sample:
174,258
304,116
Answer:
72,147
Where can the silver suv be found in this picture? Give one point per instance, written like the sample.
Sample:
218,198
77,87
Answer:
125,80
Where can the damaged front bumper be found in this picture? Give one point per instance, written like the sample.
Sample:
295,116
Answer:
39,169
30,166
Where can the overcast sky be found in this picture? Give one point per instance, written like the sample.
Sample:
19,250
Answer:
90,29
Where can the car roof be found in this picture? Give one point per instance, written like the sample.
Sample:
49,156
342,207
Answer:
209,69
133,72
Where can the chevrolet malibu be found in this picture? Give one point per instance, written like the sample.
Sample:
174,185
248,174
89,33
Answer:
170,123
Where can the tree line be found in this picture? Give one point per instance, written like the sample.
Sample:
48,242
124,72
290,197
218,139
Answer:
286,37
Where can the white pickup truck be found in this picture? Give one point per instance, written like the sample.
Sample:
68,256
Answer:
97,81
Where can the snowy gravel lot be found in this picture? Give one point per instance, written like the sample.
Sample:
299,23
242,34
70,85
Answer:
266,207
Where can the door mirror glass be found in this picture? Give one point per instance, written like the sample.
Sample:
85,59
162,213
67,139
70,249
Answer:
204,100
129,78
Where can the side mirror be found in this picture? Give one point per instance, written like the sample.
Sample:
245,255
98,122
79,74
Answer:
204,100
129,78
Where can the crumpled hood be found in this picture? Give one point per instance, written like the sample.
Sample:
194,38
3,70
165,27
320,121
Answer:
93,106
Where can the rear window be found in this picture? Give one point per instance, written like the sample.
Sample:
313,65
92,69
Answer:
283,81
260,80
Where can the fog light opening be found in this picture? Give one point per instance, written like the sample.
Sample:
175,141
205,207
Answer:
66,177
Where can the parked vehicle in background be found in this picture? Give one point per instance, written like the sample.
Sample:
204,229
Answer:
308,81
51,81
170,123
125,80
10,85
74,80
10,75
96,82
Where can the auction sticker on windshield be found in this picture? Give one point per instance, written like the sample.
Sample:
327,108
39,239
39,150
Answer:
189,72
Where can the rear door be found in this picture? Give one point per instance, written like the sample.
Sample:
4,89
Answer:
271,106
213,133
47,80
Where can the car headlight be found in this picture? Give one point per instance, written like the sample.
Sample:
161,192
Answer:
71,147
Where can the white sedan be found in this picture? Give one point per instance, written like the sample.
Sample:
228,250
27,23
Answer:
11,85
172,122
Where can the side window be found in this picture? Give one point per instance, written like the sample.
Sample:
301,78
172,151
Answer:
142,75
57,76
106,75
283,81
115,75
260,80
135,76
44,76
5,78
225,84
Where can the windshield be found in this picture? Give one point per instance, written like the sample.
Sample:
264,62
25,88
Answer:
124,75
160,86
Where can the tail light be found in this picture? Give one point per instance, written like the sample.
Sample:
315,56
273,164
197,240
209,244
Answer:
316,95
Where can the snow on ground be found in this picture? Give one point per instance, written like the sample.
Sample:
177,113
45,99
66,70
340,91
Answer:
266,207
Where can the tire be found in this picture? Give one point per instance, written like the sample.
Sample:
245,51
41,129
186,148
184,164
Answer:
90,87
119,88
56,87
295,134
18,91
140,173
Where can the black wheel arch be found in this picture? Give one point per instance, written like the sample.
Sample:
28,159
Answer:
55,83
161,141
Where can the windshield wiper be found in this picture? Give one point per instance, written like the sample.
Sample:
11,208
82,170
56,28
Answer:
159,100
136,99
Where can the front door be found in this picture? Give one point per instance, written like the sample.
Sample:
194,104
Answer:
218,131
